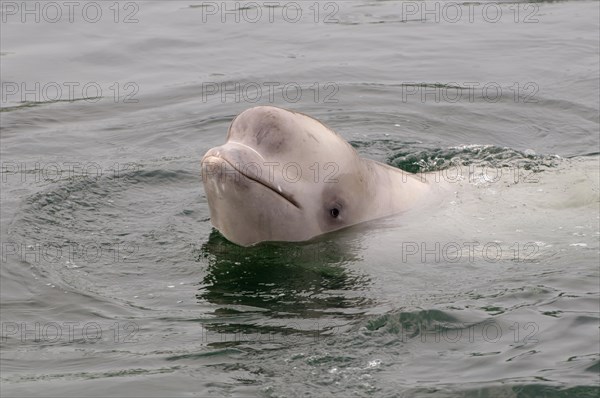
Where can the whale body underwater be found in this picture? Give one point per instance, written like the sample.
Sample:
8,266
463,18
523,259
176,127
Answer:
284,176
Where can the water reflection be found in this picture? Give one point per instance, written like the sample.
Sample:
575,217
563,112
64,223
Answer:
281,287
302,279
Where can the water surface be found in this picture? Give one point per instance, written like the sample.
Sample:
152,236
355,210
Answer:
114,282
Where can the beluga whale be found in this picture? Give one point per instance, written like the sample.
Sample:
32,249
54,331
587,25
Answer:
283,176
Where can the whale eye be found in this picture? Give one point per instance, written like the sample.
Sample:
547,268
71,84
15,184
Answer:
335,212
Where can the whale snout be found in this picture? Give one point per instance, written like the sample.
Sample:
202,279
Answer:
237,167
245,205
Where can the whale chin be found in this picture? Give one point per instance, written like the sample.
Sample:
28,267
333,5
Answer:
246,210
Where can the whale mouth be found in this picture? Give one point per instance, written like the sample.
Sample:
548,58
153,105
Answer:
287,196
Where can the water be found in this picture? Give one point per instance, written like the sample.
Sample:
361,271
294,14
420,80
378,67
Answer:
114,283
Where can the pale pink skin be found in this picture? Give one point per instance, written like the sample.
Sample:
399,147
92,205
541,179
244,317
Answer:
256,194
